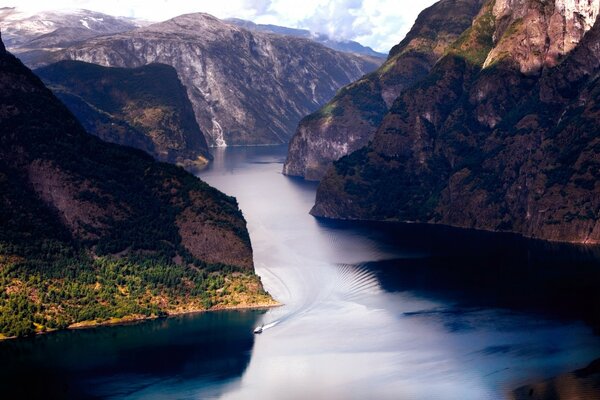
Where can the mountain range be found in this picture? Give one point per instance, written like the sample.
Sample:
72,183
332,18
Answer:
500,133
221,64
223,68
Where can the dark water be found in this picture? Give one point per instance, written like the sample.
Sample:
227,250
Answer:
371,311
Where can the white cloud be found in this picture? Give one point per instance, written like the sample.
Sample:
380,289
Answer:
376,23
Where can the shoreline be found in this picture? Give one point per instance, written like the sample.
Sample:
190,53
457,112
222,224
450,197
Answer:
583,383
130,319
520,235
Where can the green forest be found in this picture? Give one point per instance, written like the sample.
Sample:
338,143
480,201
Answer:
36,298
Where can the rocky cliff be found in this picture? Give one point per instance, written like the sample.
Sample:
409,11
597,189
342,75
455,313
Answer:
247,88
348,121
91,231
501,135
146,107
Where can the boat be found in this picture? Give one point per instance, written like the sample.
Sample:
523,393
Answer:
258,330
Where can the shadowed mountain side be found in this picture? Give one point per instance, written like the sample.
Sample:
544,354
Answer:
146,107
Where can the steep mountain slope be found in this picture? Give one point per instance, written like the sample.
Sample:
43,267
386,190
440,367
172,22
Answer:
501,135
348,46
351,118
91,231
146,107
247,88
33,37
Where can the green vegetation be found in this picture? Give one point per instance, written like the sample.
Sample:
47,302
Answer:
365,97
476,42
380,184
146,108
36,297
110,88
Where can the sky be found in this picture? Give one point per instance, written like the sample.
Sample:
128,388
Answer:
379,24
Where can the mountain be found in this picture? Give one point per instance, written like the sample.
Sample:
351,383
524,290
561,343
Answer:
348,46
246,88
145,107
33,37
348,121
96,232
502,134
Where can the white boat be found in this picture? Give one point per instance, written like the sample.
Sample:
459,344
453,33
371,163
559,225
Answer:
258,329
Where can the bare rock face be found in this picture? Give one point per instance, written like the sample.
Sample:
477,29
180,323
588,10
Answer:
510,145
246,88
539,35
350,119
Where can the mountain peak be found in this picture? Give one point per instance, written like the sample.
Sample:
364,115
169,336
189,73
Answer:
192,22
2,48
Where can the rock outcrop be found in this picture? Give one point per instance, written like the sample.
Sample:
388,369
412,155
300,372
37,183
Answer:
497,137
146,108
247,88
350,119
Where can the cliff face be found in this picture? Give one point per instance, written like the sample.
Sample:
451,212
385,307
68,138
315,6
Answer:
91,230
540,34
350,119
246,87
495,137
146,107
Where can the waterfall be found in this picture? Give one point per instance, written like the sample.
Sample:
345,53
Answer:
217,134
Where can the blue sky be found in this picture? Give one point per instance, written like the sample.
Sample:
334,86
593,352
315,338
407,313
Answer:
376,23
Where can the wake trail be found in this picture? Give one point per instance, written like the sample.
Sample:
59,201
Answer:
330,284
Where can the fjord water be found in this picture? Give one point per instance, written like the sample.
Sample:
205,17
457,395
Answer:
370,311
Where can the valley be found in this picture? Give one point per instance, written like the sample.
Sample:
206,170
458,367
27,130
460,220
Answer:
267,203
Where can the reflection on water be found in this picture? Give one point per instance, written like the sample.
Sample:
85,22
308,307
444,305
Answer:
371,311
193,354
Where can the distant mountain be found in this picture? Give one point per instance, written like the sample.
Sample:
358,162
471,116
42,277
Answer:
348,46
146,107
246,87
502,134
94,232
32,37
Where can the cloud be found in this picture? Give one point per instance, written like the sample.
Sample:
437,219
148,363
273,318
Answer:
339,19
376,23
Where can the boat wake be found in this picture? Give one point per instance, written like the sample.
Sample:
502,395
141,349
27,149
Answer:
356,281
334,284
